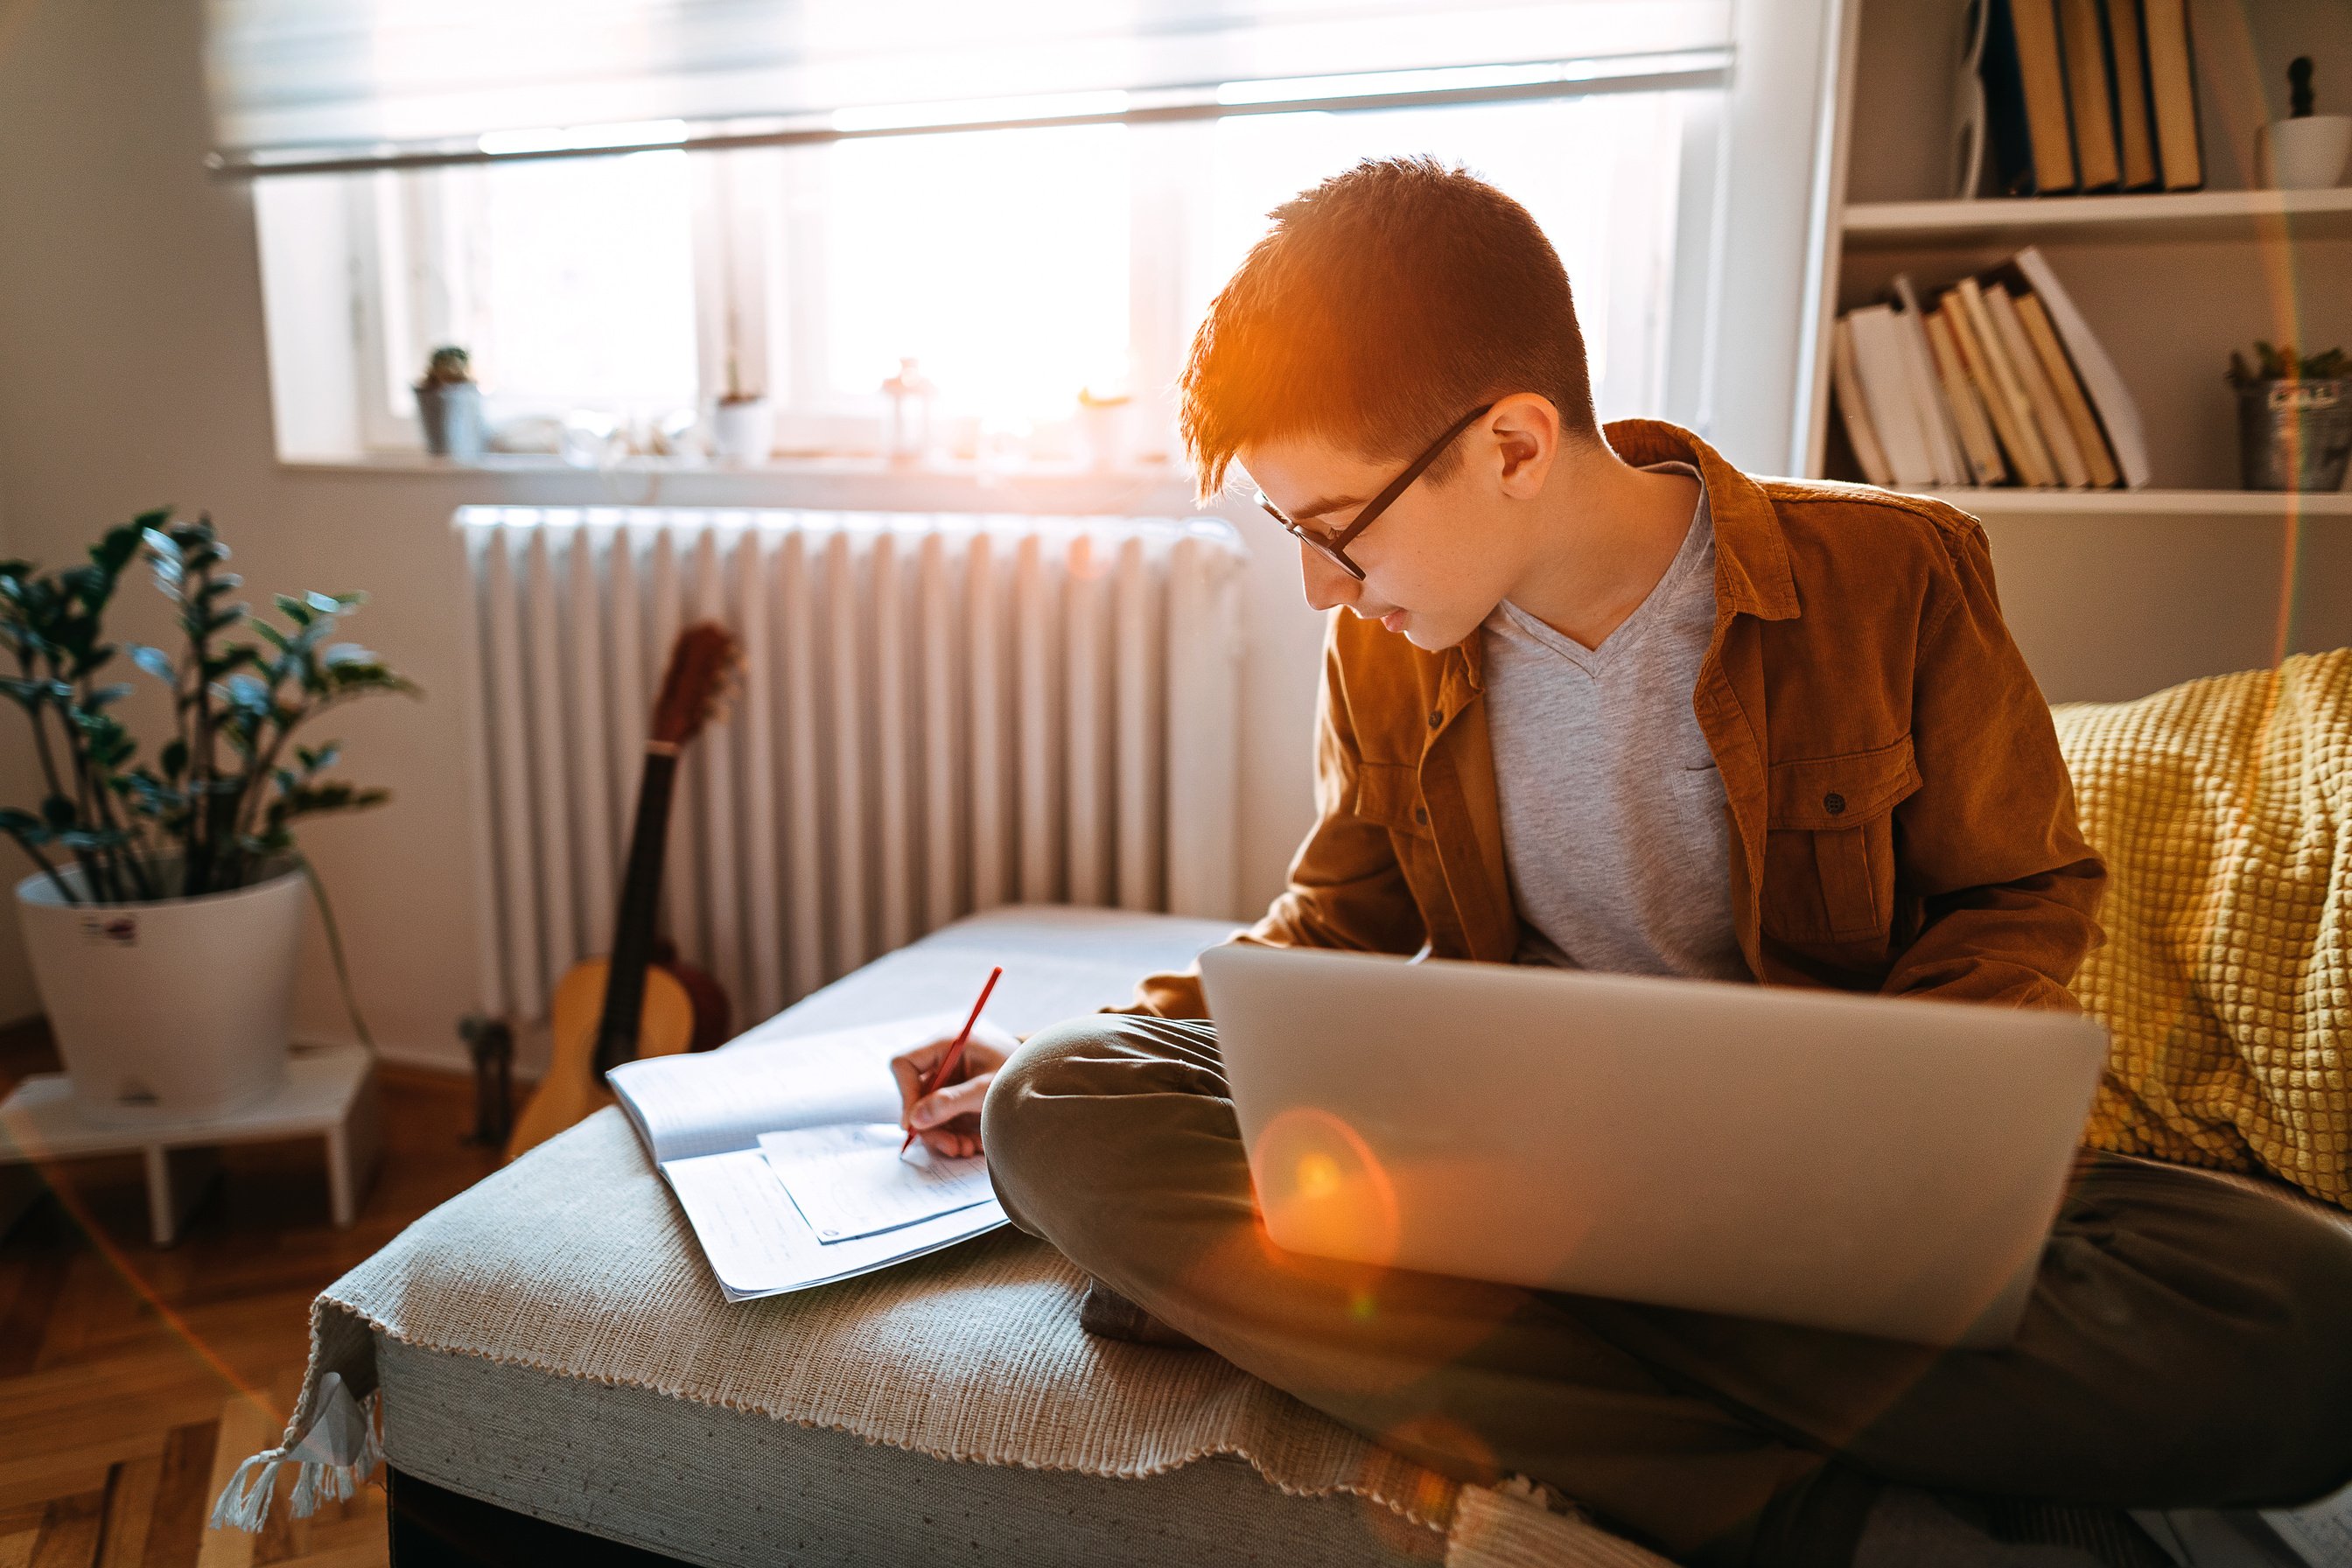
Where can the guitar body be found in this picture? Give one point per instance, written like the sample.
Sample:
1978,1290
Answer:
714,1017
573,1089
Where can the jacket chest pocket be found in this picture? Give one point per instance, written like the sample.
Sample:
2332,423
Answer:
1829,844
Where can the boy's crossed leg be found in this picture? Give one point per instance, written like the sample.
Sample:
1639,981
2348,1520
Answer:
2189,1343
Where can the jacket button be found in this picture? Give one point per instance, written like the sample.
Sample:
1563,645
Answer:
1833,803
1435,718
1421,814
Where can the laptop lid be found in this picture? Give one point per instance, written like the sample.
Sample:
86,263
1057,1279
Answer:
1877,1165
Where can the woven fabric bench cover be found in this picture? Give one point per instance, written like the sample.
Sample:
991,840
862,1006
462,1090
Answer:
576,1264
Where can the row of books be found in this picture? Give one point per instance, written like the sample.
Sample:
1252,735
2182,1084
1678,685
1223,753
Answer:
1996,381
2091,95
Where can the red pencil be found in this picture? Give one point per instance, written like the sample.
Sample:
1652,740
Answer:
939,1074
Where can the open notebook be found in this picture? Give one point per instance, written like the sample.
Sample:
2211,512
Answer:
784,1155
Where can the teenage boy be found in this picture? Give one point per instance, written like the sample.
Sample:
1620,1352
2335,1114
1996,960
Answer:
1599,699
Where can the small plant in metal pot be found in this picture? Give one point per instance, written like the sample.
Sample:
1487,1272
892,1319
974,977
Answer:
2295,418
163,915
449,404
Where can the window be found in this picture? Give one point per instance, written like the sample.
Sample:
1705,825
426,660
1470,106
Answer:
571,282
1018,267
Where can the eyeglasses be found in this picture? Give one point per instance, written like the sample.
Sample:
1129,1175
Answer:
1335,546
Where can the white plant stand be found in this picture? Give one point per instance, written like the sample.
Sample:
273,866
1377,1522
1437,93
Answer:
329,1092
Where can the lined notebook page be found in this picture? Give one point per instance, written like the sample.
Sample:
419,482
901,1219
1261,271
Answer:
719,1101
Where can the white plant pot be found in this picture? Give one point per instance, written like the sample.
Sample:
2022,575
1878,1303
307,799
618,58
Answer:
743,432
2305,154
1103,435
170,1011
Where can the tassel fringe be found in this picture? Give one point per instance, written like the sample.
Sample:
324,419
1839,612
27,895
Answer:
334,1455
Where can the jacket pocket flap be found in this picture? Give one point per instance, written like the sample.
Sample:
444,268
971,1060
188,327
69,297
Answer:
1389,795
1823,793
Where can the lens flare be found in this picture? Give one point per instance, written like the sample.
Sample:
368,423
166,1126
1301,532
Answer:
1322,1191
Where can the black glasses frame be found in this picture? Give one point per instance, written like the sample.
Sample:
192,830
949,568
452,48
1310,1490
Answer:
1335,546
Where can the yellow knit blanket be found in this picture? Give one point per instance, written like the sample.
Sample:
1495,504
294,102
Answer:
2224,810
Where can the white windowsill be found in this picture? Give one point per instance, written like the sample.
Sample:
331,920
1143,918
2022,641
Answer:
849,483
549,463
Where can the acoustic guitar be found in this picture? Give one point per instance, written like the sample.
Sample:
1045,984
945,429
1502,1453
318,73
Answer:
611,1010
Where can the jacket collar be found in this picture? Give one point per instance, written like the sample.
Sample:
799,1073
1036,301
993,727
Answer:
1751,553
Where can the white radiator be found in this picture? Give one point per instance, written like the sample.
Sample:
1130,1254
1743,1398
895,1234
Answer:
940,714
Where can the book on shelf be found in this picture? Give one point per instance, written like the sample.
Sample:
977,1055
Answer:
2127,68
1888,390
1998,378
1985,461
1845,386
2091,96
2040,398
2090,93
1990,391
1936,415
2072,400
2103,385
2028,115
2021,433
2172,93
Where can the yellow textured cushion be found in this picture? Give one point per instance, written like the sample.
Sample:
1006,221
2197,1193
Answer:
2224,810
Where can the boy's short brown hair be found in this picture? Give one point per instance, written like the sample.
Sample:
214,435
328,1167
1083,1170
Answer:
1383,305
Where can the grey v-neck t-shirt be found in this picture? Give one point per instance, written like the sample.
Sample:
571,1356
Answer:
1613,824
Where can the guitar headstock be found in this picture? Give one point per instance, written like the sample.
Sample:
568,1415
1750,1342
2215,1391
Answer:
700,683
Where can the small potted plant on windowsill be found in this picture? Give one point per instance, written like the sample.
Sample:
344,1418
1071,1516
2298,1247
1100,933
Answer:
1103,428
449,404
2295,418
744,426
165,914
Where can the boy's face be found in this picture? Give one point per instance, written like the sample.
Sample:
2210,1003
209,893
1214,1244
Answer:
1435,564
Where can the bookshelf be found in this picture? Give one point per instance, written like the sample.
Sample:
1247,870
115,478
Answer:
2114,593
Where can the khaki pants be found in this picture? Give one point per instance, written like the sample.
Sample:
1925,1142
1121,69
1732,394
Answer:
2189,1342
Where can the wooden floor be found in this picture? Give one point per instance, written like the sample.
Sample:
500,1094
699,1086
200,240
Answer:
133,1379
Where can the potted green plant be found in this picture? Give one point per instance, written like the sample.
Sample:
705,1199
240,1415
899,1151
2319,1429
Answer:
450,404
2295,418
163,914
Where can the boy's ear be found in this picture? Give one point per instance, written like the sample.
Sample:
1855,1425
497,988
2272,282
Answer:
1527,435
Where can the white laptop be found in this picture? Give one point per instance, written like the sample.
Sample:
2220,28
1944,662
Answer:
1878,1166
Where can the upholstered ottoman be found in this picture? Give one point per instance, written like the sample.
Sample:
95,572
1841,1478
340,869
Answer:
552,1343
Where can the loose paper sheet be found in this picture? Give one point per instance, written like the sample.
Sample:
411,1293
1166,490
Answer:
759,1244
852,1181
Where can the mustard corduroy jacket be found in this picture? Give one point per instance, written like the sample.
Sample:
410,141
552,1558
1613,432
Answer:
1901,820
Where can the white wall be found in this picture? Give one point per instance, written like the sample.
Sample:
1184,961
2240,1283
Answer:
131,334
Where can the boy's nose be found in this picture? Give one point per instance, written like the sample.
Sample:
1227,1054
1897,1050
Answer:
1325,584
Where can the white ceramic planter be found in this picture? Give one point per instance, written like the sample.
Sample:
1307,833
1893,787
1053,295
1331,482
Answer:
170,1011
743,432
2305,154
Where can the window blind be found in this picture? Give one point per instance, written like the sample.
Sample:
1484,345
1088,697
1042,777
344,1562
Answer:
304,85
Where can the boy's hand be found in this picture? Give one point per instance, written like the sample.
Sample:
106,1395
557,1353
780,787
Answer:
948,1119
